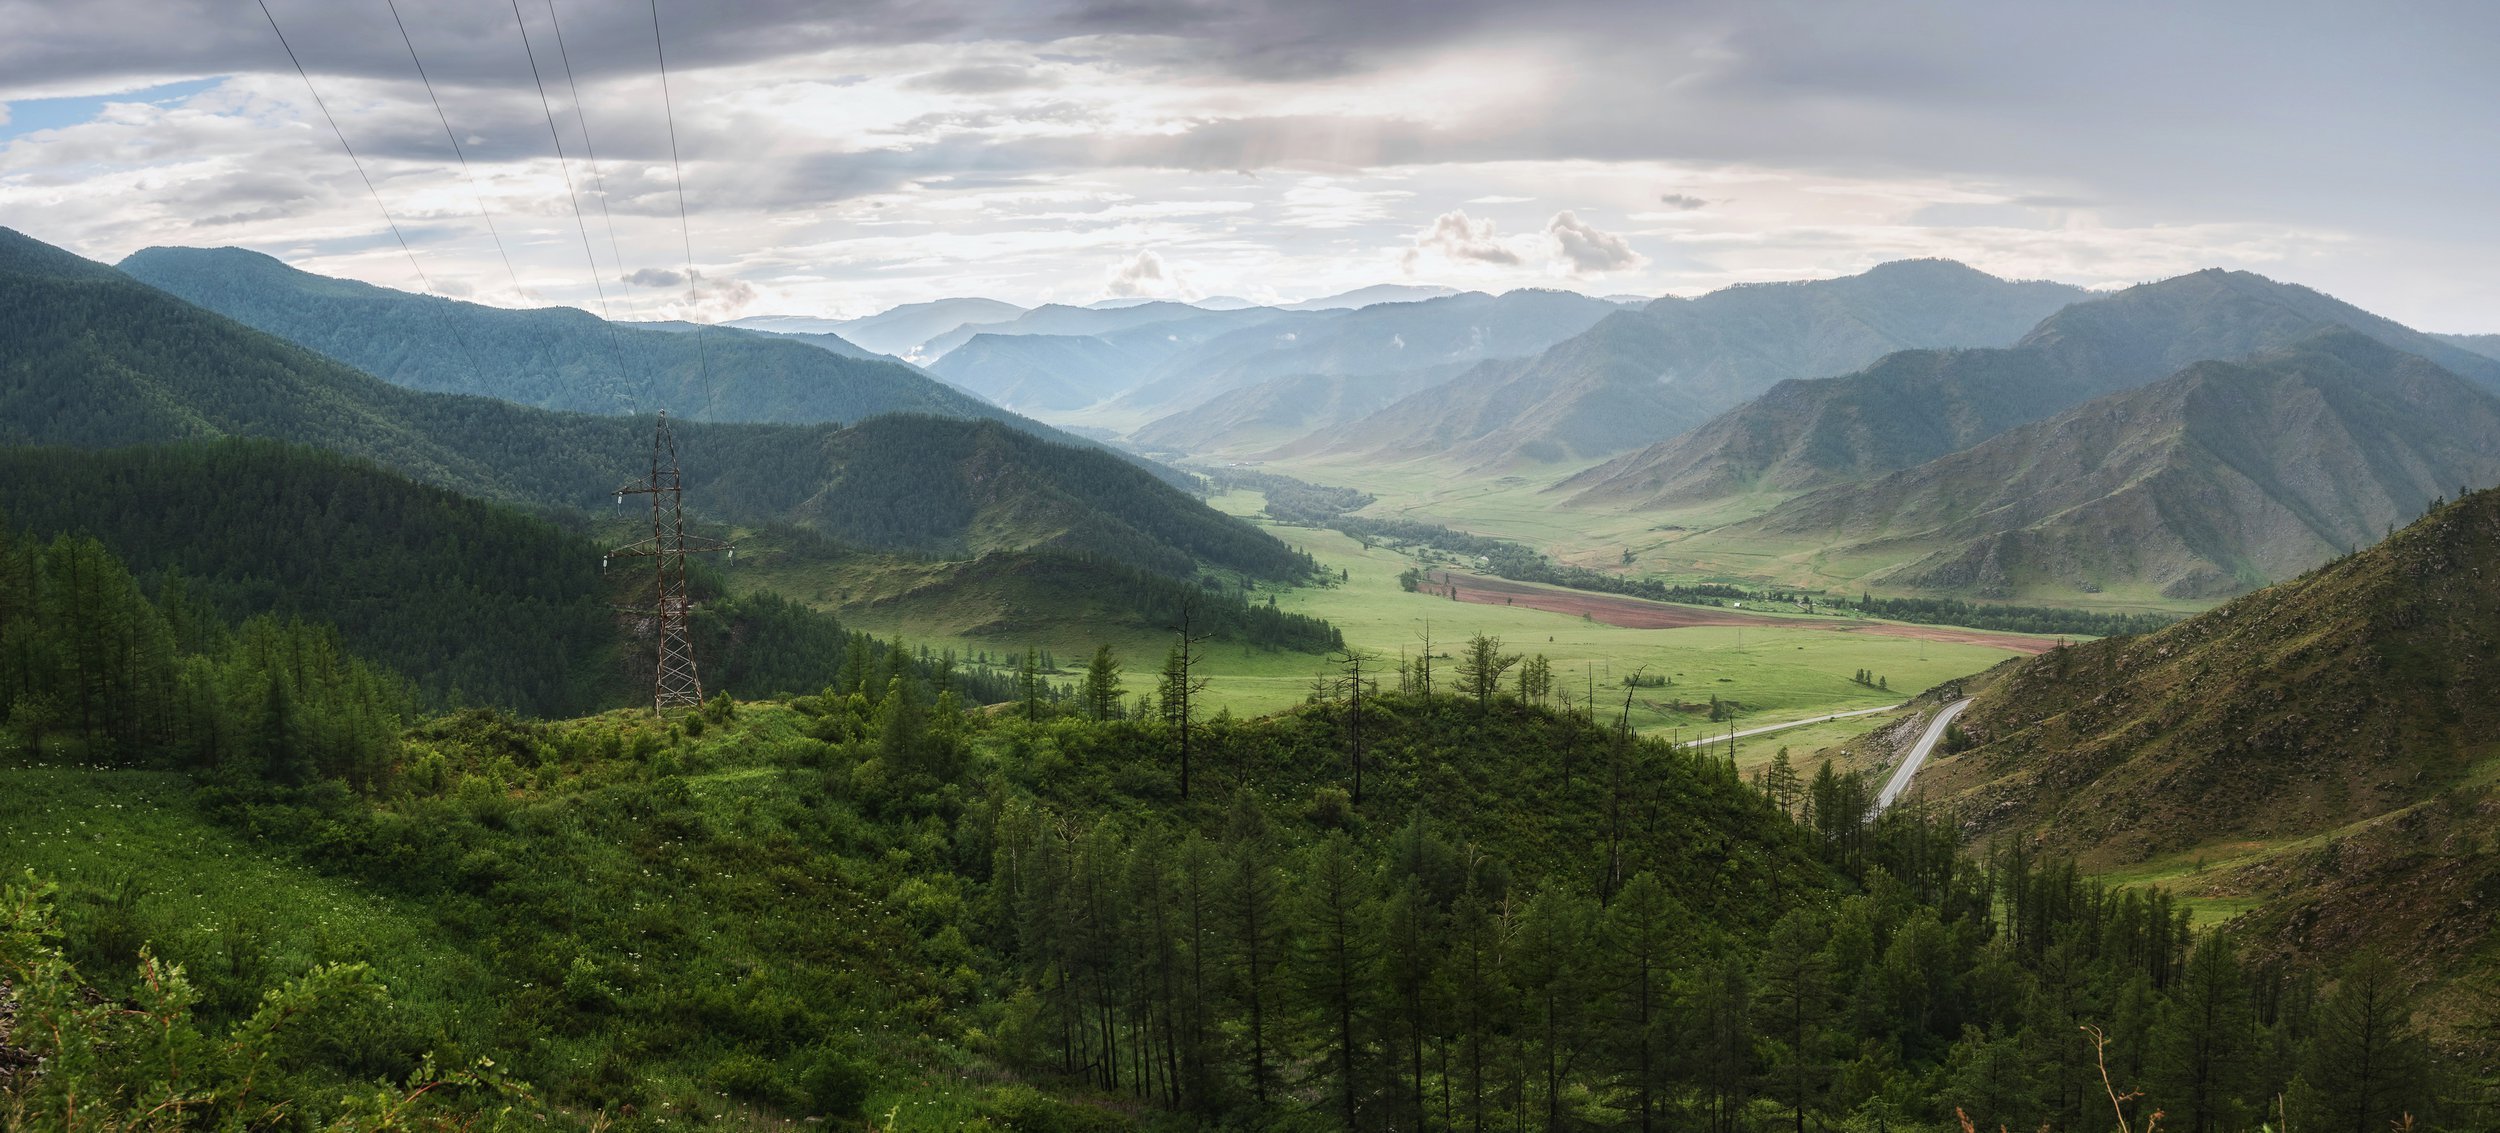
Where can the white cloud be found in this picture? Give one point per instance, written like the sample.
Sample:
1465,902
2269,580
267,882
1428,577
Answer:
1456,237
1144,276
1586,250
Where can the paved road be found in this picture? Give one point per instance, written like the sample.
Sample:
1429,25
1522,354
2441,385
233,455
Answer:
1723,737
1918,754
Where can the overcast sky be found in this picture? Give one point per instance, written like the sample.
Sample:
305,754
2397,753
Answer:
843,158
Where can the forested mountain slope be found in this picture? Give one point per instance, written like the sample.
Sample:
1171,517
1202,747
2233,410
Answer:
1639,376
1918,405
552,358
93,359
2224,477
471,602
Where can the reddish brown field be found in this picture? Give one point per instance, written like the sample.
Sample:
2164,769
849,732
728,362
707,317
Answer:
1641,613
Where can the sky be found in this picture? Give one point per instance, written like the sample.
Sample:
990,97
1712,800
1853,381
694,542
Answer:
840,159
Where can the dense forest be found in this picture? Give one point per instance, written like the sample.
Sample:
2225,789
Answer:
1407,910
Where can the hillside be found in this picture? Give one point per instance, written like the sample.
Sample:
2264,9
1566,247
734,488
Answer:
92,359
1916,406
868,902
1639,376
2224,477
552,358
471,602
2346,716
1272,412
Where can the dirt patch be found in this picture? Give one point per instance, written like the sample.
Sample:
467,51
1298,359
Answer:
1641,613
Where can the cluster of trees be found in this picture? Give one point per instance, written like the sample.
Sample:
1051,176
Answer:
1403,977
1868,678
2016,619
92,671
1297,502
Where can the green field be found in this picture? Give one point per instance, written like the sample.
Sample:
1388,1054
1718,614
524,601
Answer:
1673,545
1770,674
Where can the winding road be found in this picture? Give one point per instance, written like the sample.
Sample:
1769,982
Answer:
1723,737
1918,754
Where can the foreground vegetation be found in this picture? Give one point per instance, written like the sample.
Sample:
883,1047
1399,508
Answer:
871,903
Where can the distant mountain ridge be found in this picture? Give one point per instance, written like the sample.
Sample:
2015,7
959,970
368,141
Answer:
1918,405
1639,376
1382,338
2225,477
552,358
92,358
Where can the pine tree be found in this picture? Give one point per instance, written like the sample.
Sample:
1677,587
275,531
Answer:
2204,1045
2366,1068
1102,685
1480,669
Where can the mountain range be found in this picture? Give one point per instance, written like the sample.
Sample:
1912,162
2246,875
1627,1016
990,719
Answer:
1640,376
2219,479
552,358
1918,405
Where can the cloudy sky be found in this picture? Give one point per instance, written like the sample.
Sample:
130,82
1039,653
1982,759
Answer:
843,158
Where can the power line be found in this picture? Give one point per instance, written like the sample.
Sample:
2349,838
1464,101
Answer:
598,180
358,162
454,139
561,164
616,352
477,371
678,172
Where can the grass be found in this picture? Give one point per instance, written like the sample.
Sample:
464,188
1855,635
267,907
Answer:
92,830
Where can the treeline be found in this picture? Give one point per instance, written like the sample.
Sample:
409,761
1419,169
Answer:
1512,561
2018,619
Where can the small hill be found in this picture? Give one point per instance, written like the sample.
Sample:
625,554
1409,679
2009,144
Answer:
1040,372
552,358
1919,405
2363,688
2223,477
1636,377
1383,338
1366,296
1279,410
898,331
1061,319
2487,345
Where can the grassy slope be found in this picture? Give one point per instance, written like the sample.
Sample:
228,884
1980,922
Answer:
2320,753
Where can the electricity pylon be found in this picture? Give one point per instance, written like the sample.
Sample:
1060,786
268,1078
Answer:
674,683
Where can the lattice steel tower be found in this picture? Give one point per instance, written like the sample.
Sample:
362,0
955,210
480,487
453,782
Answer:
674,683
